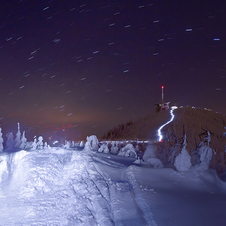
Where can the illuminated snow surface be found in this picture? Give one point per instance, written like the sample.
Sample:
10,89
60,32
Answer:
71,187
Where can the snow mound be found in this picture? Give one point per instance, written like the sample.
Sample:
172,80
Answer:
155,163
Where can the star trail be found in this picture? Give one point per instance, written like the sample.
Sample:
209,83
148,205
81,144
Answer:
83,67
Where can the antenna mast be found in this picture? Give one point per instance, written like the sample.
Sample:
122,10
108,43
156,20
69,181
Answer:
162,94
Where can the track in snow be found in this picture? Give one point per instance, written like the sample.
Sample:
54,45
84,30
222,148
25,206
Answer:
60,187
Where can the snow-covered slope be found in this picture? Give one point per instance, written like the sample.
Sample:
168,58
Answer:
66,187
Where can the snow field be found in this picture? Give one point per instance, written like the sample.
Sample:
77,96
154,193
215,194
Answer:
62,187
54,189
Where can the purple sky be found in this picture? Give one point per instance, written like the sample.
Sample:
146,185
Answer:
91,65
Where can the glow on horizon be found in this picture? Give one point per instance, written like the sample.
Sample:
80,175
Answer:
160,128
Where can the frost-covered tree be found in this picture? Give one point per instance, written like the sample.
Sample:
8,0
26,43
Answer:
67,144
9,140
34,144
40,143
114,147
1,140
18,137
23,141
205,153
150,156
183,160
150,151
82,144
103,148
207,138
92,143
128,151
45,145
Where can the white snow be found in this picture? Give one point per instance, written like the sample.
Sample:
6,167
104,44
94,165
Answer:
66,187
155,162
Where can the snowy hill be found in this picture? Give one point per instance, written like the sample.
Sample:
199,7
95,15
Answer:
142,129
189,121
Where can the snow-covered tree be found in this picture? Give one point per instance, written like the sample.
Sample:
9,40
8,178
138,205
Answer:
183,160
9,140
150,156
114,147
103,148
92,143
205,153
18,137
67,144
40,143
34,144
23,141
150,151
128,151
82,144
207,138
45,145
1,140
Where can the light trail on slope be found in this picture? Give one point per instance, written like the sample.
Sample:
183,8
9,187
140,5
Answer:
160,128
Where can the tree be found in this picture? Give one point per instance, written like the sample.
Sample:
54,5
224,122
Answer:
34,145
92,143
23,141
40,143
45,145
103,148
114,147
183,160
207,138
1,140
205,153
18,137
9,140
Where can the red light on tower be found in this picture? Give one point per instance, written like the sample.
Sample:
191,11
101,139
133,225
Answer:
162,87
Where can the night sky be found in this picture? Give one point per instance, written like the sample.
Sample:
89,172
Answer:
77,68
